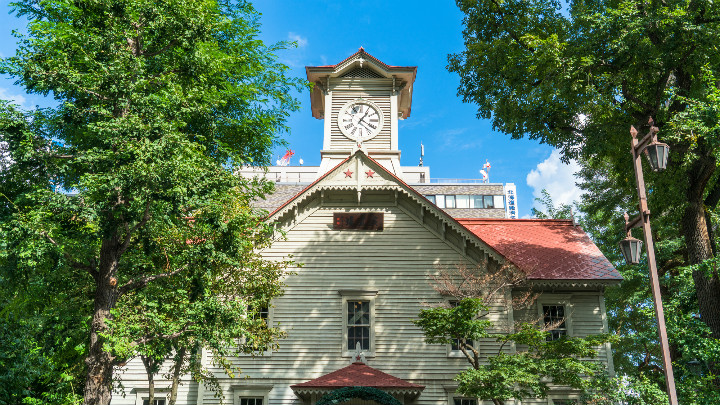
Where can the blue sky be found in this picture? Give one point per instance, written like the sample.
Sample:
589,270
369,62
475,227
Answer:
421,34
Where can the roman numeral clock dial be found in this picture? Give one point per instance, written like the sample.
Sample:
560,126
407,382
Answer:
360,120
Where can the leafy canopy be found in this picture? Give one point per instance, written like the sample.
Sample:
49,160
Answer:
124,196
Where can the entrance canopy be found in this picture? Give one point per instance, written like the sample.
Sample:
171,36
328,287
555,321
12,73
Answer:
358,374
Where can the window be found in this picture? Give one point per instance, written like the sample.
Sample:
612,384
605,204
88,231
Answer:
462,201
358,308
464,401
251,400
262,313
467,201
358,324
554,319
449,201
455,345
250,394
142,396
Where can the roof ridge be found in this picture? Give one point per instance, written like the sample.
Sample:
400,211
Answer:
526,221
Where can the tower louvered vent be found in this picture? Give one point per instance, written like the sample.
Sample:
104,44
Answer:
362,73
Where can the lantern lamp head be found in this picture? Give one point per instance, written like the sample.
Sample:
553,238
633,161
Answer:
657,153
631,249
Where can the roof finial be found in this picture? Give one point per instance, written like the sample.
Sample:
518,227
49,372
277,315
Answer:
361,49
359,356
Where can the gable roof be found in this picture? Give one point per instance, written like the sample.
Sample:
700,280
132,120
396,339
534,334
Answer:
335,179
545,249
405,76
358,374
542,249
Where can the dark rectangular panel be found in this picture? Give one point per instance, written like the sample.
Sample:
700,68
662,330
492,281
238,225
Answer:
364,221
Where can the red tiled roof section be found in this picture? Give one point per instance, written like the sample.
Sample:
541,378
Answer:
545,249
358,375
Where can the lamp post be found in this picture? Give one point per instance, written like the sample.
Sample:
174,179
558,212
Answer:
657,155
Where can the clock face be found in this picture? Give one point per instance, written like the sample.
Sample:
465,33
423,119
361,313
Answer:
360,120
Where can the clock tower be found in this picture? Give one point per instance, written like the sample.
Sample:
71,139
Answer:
361,100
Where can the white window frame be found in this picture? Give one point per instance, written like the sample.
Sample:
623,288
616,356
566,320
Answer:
452,395
455,353
251,391
465,198
269,321
453,398
567,307
358,295
141,394
559,397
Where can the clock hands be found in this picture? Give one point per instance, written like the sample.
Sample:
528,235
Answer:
360,120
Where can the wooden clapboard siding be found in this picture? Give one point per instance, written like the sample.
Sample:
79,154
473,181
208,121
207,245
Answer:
377,91
585,315
395,262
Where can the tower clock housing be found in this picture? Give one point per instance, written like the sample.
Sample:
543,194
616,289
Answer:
361,100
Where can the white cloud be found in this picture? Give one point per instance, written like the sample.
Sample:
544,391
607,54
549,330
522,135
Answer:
18,99
557,178
301,41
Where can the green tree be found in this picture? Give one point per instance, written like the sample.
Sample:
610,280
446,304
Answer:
562,211
576,75
122,189
524,373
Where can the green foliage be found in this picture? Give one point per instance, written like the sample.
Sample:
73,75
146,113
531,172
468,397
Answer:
576,75
527,372
563,211
119,207
37,364
624,390
443,325
345,394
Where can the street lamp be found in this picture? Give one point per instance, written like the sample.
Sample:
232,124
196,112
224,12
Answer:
657,154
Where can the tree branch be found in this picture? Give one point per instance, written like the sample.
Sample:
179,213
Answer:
130,231
171,336
161,50
139,283
73,263
510,32
626,93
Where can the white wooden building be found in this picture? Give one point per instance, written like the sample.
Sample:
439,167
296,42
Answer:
370,233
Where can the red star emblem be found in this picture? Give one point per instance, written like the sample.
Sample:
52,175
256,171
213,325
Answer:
348,173
370,173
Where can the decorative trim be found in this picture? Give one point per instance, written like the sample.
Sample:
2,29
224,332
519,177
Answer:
345,394
356,293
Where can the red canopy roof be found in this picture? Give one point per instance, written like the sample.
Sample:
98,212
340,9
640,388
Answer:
545,249
358,375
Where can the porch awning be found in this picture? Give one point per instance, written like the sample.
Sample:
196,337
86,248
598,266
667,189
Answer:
358,374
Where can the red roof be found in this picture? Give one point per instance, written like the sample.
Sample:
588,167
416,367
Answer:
544,249
358,375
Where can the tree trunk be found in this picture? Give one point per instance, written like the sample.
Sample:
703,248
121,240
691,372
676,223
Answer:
98,382
699,245
150,371
180,359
